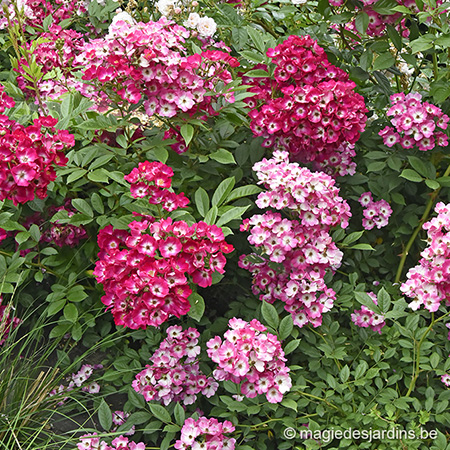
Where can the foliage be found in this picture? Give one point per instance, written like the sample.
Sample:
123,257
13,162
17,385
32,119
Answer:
152,149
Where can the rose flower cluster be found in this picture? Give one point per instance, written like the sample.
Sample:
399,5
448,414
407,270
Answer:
28,155
175,373
205,434
375,213
303,248
92,442
415,123
428,283
310,108
153,179
145,270
250,356
148,61
56,50
365,317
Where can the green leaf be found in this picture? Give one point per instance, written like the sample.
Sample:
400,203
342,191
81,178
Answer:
22,237
270,315
97,203
55,307
197,306
422,43
384,300
362,22
82,206
361,247
257,73
222,191
411,175
243,191
211,215
286,327
201,201
395,37
291,346
160,413
383,61
71,313
35,232
104,415
139,417
179,414
223,156
344,373
432,184
352,237
424,168
364,299
76,175
289,403
232,214
187,131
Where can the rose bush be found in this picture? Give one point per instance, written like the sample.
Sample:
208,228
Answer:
241,207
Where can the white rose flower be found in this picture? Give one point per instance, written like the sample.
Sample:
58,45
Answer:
206,27
166,7
192,20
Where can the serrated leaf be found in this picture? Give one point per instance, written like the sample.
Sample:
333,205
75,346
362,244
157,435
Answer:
383,61
223,156
270,315
344,373
289,403
179,414
82,206
160,413
104,415
364,299
384,300
243,191
291,346
411,175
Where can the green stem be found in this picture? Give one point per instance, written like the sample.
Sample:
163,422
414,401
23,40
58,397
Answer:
435,66
422,220
315,397
416,367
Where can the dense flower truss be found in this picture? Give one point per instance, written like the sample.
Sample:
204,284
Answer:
6,322
415,123
146,271
309,108
298,252
92,442
175,375
205,434
35,11
28,155
365,317
148,61
428,283
55,50
375,213
249,356
152,180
